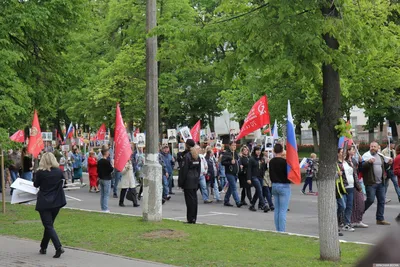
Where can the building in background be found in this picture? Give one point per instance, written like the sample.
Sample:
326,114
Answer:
358,121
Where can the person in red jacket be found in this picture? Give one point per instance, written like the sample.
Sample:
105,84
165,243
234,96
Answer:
396,171
92,169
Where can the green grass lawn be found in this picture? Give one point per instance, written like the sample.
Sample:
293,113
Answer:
173,242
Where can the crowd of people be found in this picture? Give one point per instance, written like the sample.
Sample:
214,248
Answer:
219,172
223,175
362,178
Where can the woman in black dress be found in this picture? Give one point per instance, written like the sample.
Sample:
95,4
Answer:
50,199
244,162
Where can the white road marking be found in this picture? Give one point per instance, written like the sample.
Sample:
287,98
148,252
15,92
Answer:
74,198
71,188
222,213
204,215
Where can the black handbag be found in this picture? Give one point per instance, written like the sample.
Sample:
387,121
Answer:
129,195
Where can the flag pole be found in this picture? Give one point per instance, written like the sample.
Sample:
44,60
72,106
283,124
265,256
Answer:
3,189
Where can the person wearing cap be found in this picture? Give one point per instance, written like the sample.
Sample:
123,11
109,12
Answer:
181,155
104,171
188,180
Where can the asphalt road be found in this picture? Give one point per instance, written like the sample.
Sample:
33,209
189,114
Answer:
301,219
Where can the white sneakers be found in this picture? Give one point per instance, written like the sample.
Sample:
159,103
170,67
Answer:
348,228
360,225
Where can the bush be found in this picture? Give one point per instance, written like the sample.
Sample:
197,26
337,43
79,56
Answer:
362,147
305,148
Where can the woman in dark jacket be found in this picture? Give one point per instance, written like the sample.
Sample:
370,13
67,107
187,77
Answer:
244,163
189,180
255,176
50,199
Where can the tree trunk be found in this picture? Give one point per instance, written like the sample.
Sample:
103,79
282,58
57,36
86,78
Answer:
371,135
212,122
315,139
298,133
395,134
380,132
327,209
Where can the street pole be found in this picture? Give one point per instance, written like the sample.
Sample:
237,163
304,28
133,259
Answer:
3,188
152,183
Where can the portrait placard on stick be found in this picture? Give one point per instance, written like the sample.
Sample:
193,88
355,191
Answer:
181,147
171,135
218,145
141,140
269,143
185,132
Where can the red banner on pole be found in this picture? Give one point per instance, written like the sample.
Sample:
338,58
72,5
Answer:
18,136
195,132
123,150
36,144
101,133
257,118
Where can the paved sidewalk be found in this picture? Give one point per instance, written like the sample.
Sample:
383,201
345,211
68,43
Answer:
16,252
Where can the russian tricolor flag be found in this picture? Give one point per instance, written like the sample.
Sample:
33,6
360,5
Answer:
70,132
292,157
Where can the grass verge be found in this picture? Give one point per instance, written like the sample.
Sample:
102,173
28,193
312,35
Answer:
173,242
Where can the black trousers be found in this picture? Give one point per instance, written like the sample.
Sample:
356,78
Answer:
123,194
246,191
191,204
48,217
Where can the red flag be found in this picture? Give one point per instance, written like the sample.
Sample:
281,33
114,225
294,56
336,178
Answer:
59,139
35,139
19,136
257,118
122,147
267,130
101,133
195,132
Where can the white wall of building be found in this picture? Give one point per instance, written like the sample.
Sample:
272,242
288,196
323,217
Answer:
224,123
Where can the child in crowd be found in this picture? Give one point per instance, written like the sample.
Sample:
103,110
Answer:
310,173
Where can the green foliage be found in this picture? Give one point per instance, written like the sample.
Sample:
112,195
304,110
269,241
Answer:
279,50
73,60
343,129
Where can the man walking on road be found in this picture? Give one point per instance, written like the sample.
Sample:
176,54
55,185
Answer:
230,160
373,168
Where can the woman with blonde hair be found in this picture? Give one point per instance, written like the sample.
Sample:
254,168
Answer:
50,199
